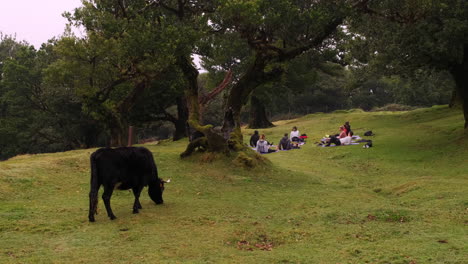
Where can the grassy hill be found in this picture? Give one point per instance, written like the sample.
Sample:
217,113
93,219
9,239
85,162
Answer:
403,201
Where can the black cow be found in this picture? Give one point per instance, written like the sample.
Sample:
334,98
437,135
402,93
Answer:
123,168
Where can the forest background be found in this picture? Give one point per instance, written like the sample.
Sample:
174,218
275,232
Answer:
263,61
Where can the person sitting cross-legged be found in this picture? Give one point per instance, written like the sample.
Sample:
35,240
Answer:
262,146
294,136
285,143
254,138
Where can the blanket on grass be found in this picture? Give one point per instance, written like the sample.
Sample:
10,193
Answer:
354,141
325,146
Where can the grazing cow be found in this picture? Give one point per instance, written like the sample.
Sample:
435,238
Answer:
123,168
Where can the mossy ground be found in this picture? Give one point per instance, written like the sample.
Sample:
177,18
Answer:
403,201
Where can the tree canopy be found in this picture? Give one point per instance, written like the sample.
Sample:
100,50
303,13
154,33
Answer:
406,36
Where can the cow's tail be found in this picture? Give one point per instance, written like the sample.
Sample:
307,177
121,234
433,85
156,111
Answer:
93,193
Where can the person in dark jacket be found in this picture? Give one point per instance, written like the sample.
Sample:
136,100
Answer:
254,138
285,143
347,128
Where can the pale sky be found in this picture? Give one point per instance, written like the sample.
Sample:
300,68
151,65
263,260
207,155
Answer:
37,21
34,21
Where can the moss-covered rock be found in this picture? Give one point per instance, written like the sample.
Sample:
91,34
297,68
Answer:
250,159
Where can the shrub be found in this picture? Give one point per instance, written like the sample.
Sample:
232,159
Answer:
393,108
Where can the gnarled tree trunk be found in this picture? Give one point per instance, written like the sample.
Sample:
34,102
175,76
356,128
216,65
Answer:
119,126
460,74
214,141
239,95
258,118
182,117
118,135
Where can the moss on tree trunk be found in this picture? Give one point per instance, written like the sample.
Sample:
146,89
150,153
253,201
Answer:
214,141
240,93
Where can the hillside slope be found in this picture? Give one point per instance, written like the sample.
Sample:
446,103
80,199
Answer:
403,201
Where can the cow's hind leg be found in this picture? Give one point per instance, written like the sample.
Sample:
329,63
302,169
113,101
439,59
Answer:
106,196
136,204
93,201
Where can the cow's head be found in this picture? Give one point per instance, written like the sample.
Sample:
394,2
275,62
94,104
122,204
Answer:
155,191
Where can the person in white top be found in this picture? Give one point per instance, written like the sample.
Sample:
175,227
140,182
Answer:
345,141
345,138
294,136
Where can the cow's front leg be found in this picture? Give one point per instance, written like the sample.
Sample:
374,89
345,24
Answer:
136,204
106,196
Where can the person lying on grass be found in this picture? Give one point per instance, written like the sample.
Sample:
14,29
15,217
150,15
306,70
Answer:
347,140
341,139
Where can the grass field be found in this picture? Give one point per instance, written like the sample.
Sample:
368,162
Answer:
403,201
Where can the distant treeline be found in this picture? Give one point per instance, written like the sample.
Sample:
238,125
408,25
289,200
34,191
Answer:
40,112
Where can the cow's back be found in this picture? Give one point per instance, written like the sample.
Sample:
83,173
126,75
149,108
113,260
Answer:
126,166
111,166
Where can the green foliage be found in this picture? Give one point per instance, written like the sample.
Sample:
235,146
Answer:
128,52
260,38
309,85
413,33
422,88
212,112
36,115
394,107
403,37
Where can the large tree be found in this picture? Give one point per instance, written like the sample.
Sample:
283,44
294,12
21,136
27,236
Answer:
272,32
37,114
129,47
401,36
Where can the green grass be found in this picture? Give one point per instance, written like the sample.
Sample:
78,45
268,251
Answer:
403,201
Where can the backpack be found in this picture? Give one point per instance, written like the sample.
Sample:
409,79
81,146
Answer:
368,133
368,144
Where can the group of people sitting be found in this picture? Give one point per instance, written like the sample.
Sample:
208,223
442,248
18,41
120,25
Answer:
295,139
292,141
343,138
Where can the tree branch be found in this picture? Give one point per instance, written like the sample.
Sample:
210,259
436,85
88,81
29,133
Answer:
175,11
103,94
128,102
122,7
169,117
394,16
203,100
317,40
